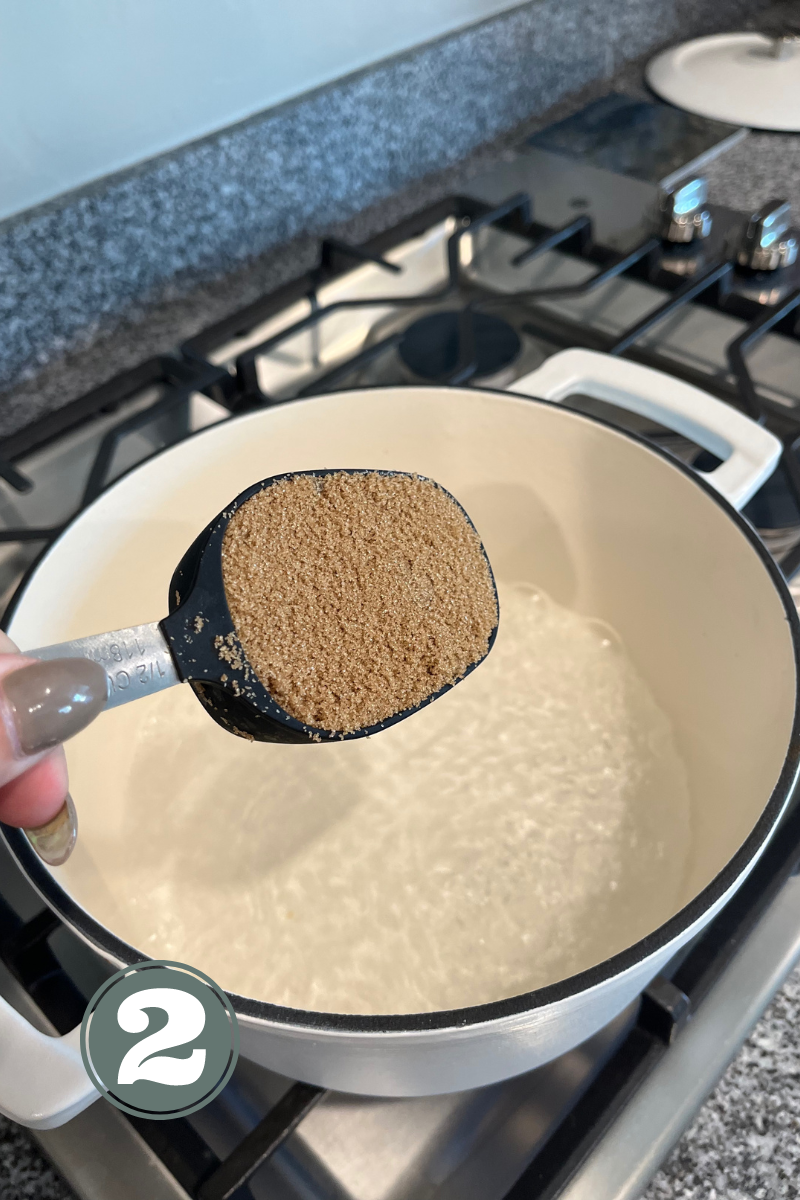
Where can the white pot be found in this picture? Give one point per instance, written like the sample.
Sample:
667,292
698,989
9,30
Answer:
600,520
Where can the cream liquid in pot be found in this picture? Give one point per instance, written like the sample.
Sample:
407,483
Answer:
526,826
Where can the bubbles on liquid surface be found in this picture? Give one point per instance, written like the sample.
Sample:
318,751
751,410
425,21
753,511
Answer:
529,824
607,636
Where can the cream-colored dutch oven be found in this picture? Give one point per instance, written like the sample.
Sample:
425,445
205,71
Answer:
603,522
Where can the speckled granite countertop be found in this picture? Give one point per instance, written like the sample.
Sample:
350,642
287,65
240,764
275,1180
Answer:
100,279
760,166
745,1142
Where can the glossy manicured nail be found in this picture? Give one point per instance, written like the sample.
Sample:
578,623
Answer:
51,701
54,841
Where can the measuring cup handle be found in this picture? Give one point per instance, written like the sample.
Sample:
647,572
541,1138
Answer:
137,661
750,453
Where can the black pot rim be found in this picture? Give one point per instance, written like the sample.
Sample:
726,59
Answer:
114,948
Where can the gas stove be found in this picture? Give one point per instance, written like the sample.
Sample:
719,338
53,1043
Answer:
545,251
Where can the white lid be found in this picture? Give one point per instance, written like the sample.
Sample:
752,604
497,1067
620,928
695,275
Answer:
733,77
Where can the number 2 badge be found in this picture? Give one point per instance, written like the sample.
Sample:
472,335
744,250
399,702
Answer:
160,1039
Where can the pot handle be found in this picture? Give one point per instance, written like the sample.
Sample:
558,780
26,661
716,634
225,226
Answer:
43,1082
749,451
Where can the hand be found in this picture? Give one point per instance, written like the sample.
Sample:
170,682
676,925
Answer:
41,705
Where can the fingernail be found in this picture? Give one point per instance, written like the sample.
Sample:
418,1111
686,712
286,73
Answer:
53,700
54,841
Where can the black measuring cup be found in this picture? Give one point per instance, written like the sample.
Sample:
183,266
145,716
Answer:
185,646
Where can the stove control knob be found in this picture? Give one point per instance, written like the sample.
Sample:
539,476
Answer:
683,217
769,242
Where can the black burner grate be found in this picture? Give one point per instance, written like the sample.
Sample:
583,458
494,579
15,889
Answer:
172,379
717,284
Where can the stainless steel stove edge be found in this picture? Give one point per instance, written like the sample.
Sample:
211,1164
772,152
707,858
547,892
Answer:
101,1156
646,1130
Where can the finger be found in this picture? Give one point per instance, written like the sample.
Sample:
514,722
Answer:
55,841
35,797
43,704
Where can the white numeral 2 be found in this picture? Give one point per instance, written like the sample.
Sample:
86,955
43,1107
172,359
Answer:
186,1019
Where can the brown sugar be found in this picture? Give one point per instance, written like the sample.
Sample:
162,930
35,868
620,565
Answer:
356,596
